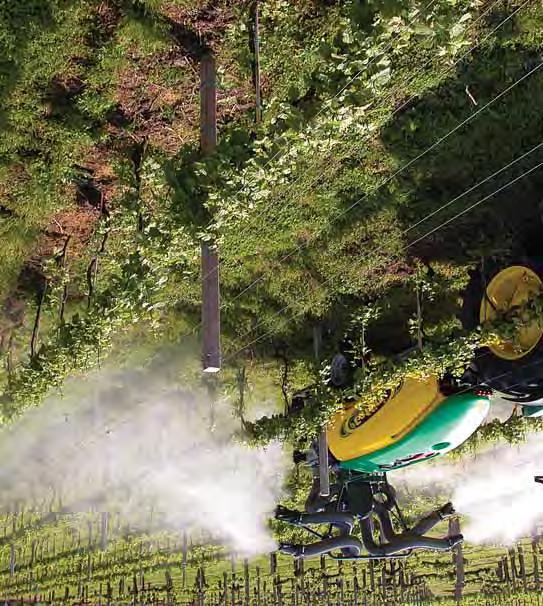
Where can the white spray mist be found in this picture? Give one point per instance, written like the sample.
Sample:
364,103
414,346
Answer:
128,441
494,489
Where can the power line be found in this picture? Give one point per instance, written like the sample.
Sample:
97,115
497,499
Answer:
469,208
288,255
397,172
352,79
411,78
494,174
345,86
381,249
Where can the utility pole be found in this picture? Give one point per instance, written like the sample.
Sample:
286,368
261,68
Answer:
211,319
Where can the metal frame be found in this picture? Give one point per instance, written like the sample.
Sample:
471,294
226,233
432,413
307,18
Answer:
351,477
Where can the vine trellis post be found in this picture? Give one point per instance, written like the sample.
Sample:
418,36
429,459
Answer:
419,316
255,48
37,319
324,476
458,561
211,323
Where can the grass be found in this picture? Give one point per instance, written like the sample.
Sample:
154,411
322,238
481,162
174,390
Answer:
155,554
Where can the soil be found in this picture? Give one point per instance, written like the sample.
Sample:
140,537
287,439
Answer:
201,28
61,92
102,179
167,117
149,110
164,116
78,223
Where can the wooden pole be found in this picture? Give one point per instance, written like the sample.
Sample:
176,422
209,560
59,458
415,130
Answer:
324,475
419,317
64,295
535,556
522,566
37,320
104,530
12,560
255,19
246,582
514,572
211,319
225,588
208,105
184,559
458,560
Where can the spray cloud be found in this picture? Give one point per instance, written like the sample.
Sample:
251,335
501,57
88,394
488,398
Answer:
129,441
494,489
